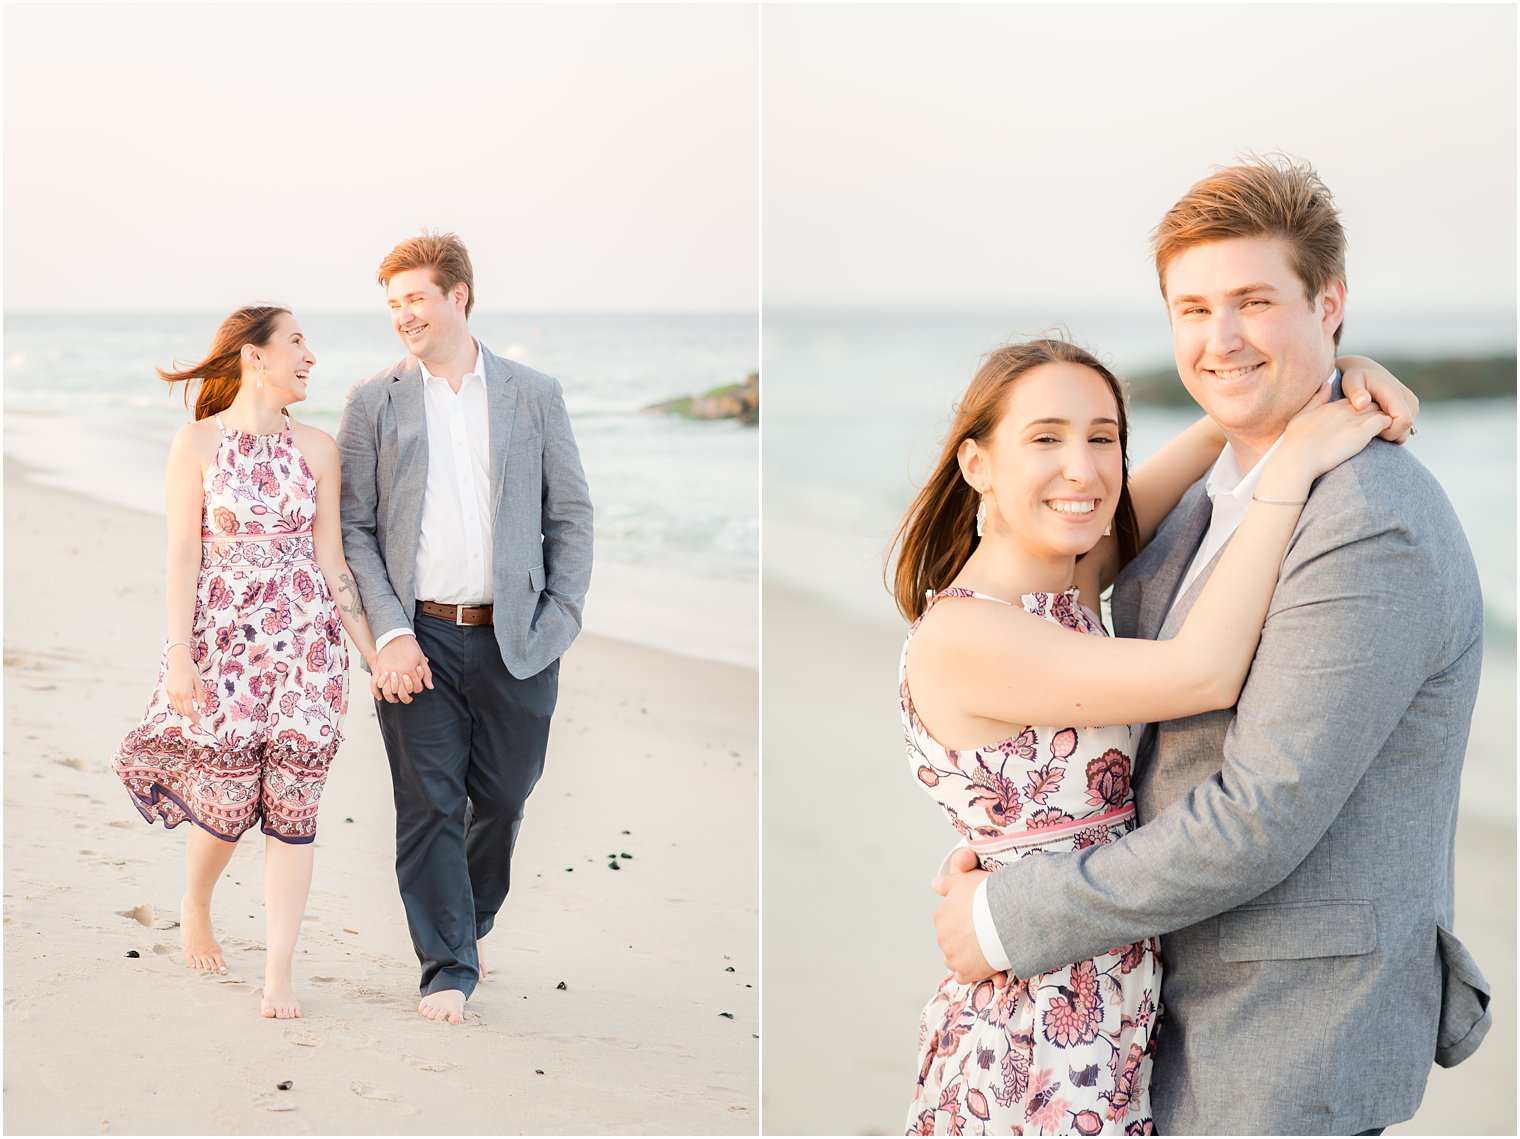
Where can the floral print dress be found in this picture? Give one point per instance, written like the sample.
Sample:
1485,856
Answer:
268,644
1069,1051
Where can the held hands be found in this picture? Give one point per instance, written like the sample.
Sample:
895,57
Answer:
954,926
1365,381
182,684
399,671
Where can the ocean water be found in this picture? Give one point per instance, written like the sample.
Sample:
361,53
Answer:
677,502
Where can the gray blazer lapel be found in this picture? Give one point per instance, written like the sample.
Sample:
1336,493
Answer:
405,395
1191,518
1173,620
501,405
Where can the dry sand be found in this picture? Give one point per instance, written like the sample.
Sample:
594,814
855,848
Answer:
651,754
851,843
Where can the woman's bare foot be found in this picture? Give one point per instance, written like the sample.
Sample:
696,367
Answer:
480,958
196,939
279,998
445,1004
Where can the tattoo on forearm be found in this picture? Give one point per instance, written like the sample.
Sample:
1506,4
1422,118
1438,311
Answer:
345,586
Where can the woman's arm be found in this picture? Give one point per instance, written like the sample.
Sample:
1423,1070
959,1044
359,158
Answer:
184,499
327,541
976,668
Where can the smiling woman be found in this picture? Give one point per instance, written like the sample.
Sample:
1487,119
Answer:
244,722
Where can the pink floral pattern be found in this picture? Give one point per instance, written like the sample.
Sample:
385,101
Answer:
268,644
1069,1051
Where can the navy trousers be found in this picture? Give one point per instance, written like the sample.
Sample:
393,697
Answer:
464,756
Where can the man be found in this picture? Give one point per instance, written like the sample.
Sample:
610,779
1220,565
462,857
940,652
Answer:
1297,850
467,522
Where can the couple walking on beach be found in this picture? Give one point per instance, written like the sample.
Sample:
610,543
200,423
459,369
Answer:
1264,797
448,531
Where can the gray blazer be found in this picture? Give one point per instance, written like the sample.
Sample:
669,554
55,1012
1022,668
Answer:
1296,851
541,508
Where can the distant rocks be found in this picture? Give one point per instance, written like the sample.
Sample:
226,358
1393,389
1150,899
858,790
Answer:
1432,379
732,401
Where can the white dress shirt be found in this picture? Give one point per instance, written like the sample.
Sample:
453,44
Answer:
454,545
1230,492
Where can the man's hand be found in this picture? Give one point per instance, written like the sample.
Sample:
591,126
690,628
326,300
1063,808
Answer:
400,670
955,928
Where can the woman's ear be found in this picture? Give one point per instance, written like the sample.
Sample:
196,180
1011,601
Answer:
973,462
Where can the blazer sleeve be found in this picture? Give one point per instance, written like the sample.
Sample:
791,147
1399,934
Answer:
566,512
1350,638
359,506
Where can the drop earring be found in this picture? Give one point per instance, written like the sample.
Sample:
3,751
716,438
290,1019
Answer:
258,381
1108,531
981,515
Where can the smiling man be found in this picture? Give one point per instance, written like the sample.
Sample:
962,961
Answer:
467,522
1296,852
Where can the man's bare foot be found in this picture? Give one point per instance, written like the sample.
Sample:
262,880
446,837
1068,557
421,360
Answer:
280,1000
196,939
445,1004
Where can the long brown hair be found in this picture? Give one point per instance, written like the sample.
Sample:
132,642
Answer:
221,371
938,534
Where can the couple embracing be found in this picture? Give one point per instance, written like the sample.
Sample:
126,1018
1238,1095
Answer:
1224,905
448,531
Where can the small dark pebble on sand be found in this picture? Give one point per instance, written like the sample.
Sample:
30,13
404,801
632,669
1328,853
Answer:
349,819
538,1071
569,870
284,1085
625,854
562,985
613,865
728,968
727,1014
627,832
133,953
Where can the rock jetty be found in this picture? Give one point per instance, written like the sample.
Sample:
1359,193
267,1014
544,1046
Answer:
731,401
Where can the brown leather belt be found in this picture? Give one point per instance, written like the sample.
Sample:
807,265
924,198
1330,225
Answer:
459,614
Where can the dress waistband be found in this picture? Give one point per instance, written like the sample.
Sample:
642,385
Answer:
1015,839
258,551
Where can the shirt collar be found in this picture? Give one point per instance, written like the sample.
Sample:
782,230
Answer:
1227,479
477,370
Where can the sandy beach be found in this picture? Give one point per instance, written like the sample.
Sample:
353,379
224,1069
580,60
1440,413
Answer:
851,845
620,1001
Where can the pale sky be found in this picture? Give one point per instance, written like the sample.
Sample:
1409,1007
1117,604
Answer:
993,157
185,157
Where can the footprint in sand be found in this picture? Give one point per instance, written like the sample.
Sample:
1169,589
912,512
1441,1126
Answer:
121,824
431,1065
76,764
269,1102
367,1092
142,914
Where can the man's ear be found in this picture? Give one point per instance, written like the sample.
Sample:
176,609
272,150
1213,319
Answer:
461,295
1332,300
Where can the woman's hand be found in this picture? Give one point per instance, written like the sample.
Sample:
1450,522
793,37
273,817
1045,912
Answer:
1321,436
182,685
1364,381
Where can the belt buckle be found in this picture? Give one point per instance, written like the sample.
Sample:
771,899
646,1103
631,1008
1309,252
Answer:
459,616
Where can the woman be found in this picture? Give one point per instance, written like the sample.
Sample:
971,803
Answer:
1000,643
251,694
